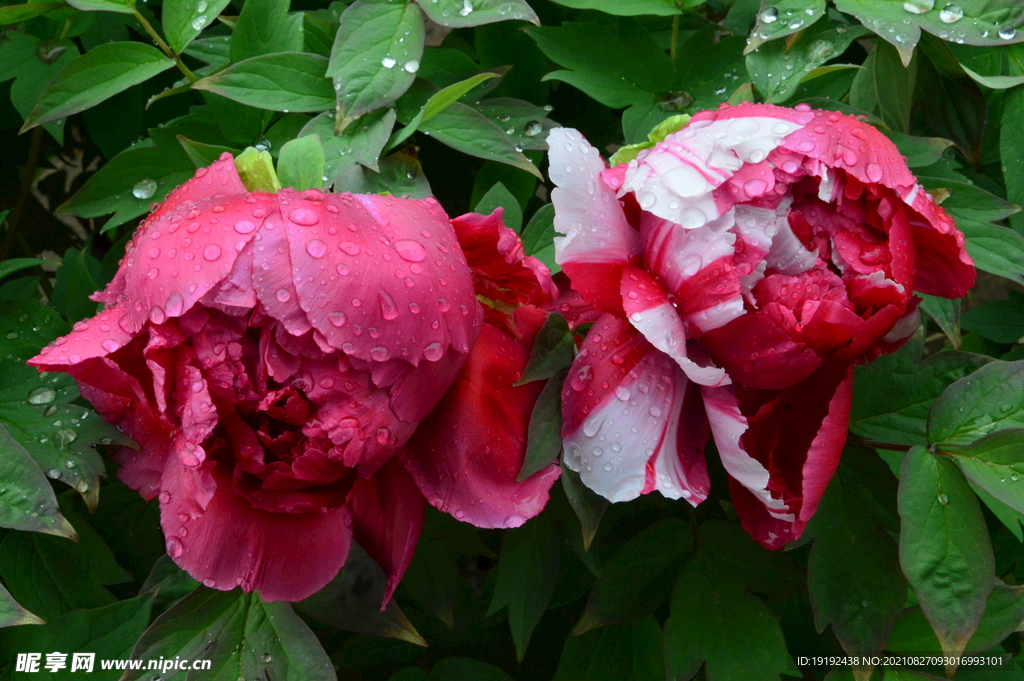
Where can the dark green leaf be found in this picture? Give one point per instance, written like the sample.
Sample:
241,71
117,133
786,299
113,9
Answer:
21,56
244,635
539,237
553,350
215,50
544,437
12,614
376,54
587,504
463,13
778,68
995,249
617,65
360,143
990,398
301,164
621,652
626,8
265,27
94,77
716,623
13,14
709,71
919,151
1011,150
853,572
400,175
27,501
526,576
944,547
12,265
730,550
432,579
500,197
969,202
352,602
884,87
640,576
466,669
467,130
779,18
183,20
945,313
529,123
37,408
999,321
901,416
118,6
78,277
284,81
995,464
170,581
201,154
953,107
409,674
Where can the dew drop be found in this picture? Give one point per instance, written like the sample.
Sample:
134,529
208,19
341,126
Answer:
244,227
411,251
283,295
349,247
918,6
943,499
316,248
769,15
412,66
533,128
337,319
950,14
211,252
388,62
42,395
304,216
144,189
1007,32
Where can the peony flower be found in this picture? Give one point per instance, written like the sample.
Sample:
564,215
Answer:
272,355
742,265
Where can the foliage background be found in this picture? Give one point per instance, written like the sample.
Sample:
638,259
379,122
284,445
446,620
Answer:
107,105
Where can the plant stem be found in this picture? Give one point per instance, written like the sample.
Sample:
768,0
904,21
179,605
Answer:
164,46
874,444
675,39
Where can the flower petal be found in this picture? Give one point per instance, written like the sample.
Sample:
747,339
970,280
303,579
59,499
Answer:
623,426
387,513
466,455
95,337
226,542
598,239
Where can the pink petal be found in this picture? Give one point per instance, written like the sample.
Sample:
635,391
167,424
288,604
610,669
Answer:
623,428
380,277
943,266
387,510
95,337
274,278
598,239
466,455
224,542
651,313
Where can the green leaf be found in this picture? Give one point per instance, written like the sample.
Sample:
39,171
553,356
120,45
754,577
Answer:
999,321
901,416
978,24
203,155
709,72
244,635
544,437
12,265
94,77
779,18
853,572
467,130
12,614
968,201
640,576
991,398
778,68
445,97
626,8
352,602
183,20
27,501
215,50
997,250
12,14
37,408
587,504
526,576
1011,150
730,550
376,54
995,464
529,123
109,190
301,164
109,631
22,58
539,237
500,197
618,65
945,313
553,350
170,582
919,151
53,575
884,87
622,652
464,13
718,624
944,547
466,669
284,81
360,143
256,169
118,6
400,174
78,276
1004,611
952,107
265,27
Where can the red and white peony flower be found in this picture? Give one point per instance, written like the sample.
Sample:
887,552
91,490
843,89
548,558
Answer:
742,265
273,356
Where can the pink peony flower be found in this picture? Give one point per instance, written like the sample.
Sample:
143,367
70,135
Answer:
272,354
742,265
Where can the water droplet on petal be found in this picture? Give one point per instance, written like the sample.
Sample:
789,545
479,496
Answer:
337,319
316,248
244,227
349,247
306,217
433,352
211,252
411,251
283,295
